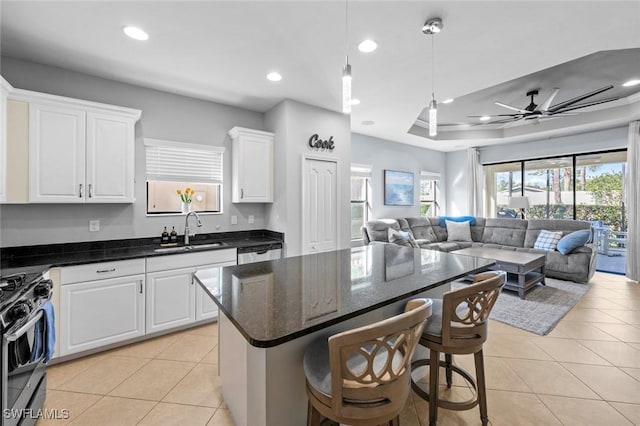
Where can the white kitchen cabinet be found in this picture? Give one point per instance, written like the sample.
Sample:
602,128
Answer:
170,299
5,87
179,299
252,166
78,151
101,312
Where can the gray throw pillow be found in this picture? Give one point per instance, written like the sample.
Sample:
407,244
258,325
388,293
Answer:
458,231
403,238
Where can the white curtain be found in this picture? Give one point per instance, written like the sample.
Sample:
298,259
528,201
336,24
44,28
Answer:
631,190
474,182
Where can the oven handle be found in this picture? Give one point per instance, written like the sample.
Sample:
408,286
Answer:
12,337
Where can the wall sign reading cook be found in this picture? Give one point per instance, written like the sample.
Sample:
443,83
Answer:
316,142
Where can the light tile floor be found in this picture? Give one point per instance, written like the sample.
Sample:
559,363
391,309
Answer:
586,372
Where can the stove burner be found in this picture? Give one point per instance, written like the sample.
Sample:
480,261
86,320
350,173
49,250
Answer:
12,282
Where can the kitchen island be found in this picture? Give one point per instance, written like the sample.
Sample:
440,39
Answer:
271,312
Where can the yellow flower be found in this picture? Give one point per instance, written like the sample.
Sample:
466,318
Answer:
179,192
187,190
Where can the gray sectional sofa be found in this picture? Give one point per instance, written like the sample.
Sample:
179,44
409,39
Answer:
505,234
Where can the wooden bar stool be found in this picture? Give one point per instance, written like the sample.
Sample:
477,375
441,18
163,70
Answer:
362,376
459,326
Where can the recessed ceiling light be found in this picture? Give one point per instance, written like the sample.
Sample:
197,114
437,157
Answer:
367,46
355,101
447,101
631,83
485,118
368,123
274,76
136,33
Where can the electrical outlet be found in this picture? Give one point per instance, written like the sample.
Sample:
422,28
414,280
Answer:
234,220
94,225
251,219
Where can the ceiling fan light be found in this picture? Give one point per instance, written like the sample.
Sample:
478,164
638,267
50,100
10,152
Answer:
346,89
631,83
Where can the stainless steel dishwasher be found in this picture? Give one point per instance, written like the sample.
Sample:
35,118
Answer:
259,253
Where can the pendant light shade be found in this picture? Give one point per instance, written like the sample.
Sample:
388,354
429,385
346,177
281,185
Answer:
346,88
433,116
431,27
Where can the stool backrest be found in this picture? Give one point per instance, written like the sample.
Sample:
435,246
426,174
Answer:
371,365
465,311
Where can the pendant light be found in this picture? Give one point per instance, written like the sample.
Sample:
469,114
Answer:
346,71
431,27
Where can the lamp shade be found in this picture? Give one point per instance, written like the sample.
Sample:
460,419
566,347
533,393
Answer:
517,202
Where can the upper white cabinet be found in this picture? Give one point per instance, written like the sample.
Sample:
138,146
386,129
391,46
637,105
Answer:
252,167
80,155
78,151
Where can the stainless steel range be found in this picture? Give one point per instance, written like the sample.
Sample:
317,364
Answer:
25,312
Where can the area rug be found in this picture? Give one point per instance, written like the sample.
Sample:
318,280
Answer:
542,308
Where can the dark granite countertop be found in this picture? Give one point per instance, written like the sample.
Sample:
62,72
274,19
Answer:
42,257
276,301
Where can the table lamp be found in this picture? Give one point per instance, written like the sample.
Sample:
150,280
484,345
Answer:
519,203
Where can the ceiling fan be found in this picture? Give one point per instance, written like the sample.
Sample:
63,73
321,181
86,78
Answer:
545,110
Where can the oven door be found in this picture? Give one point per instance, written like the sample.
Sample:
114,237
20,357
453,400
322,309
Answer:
22,366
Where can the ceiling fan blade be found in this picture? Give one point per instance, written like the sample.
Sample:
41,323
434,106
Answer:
577,99
547,102
588,104
496,115
520,110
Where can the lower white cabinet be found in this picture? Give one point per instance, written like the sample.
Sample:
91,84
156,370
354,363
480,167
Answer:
170,299
98,313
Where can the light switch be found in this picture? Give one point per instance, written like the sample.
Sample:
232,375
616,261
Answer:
234,220
251,220
94,225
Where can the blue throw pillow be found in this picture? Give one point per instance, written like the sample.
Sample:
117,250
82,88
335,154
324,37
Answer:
443,220
572,241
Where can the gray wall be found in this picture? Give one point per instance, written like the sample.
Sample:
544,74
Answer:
601,140
164,116
382,154
293,123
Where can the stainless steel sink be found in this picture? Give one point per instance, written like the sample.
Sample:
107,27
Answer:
182,249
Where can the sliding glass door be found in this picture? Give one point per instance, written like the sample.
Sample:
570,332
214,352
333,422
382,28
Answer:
548,184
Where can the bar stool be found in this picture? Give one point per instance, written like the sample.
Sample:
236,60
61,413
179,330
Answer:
459,326
362,376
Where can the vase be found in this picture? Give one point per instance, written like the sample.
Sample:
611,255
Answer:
186,208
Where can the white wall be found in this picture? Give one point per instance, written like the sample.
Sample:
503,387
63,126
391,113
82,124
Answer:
293,123
164,116
456,184
383,154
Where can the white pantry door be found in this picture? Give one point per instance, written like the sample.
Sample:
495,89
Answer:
319,206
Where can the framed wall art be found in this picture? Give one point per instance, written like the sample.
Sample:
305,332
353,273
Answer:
398,188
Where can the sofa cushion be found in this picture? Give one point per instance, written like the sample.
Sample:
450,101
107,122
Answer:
377,229
458,231
566,226
572,241
505,232
422,229
403,238
548,240
444,246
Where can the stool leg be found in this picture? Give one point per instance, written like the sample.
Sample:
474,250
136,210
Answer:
395,421
434,361
448,360
482,390
313,416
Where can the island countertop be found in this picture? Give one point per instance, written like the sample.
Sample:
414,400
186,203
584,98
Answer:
274,302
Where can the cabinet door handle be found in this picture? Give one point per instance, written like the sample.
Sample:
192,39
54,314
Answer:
140,286
80,192
102,271
90,191
241,193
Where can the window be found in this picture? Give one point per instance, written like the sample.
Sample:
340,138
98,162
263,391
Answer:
173,167
501,182
360,198
429,194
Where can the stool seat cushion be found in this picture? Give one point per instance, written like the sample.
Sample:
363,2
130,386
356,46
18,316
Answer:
317,368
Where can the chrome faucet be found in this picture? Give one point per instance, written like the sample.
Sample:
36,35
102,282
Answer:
186,225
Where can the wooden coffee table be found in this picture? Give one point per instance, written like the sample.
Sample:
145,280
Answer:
524,270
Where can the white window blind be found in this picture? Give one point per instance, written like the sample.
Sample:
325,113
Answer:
429,175
168,160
